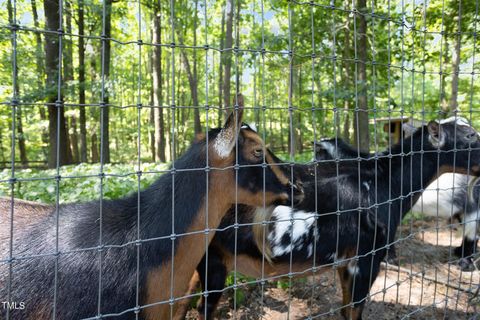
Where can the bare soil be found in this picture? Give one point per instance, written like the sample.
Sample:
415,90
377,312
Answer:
427,284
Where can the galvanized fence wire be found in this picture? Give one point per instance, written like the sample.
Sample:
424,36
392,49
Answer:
260,55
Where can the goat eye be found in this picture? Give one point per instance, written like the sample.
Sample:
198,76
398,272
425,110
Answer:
258,153
472,136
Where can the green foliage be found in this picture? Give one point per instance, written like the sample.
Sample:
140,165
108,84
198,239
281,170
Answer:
409,71
413,216
237,278
79,182
283,284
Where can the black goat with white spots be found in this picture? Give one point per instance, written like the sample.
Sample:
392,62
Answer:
446,197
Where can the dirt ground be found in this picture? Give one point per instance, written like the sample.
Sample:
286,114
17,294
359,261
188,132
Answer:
428,285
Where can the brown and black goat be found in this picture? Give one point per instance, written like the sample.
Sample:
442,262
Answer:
134,256
347,220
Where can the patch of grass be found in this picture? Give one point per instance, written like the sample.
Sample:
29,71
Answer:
412,216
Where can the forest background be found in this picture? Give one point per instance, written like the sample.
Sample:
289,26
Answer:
118,87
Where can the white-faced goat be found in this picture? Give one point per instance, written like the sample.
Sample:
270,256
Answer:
133,255
342,222
455,196
447,197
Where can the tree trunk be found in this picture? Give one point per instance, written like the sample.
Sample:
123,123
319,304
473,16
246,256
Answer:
443,76
68,49
192,81
151,122
455,69
238,67
19,125
105,111
227,56
21,138
282,136
94,148
362,137
81,80
196,111
39,59
220,71
56,113
68,77
38,46
322,112
298,127
168,129
346,74
74,140
157,86
2,154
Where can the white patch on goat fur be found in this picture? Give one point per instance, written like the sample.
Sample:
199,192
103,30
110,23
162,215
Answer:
353,268
332,257
296,230
472,223
459,120
438,197
329,147
366,185
224,143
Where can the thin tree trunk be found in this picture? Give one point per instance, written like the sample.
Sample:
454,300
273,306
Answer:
19,125
238,67
443,76
105,111
297,130
346,74
2,154
74,140
282,136
39,58
160,141
95,157
322,112
192,81
151,118
196,111
227,56
455,69
21,138
362,137
81,80
56,113
168,145
151,121
68,77
220,71
39,64
68,49
192,76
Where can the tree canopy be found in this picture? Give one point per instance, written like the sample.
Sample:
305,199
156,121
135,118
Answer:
153,73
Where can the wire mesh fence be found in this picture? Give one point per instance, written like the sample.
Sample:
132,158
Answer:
239,159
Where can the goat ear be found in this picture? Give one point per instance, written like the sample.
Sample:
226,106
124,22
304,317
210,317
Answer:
323,151
435,134
408,129
225,140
